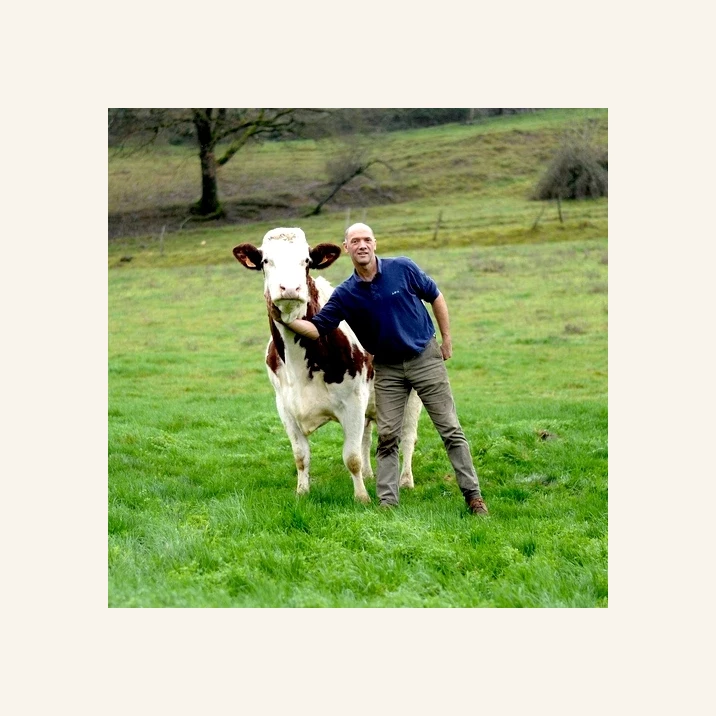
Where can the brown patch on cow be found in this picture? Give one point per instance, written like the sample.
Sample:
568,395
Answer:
354,464
363,358
273,359
314,305
332,354
276,355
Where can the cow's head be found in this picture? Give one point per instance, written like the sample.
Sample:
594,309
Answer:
285,259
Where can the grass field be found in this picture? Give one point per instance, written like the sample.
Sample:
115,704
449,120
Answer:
202,509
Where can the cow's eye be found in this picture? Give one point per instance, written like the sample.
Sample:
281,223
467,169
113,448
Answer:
265,261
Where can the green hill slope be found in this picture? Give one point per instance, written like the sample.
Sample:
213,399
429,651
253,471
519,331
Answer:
477,179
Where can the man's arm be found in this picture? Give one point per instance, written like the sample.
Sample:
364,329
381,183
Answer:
300,326
440,311
322,323
304,328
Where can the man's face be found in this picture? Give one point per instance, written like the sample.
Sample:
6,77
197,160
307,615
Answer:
360,245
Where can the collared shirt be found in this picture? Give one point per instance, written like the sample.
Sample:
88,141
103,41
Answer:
387,314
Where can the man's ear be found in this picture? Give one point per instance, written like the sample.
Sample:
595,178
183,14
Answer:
249,256
324,255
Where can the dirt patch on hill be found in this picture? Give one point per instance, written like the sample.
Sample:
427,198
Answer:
149,222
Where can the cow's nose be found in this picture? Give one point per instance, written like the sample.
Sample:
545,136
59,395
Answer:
289,294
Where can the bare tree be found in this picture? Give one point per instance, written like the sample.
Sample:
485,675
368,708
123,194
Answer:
231,129
346,166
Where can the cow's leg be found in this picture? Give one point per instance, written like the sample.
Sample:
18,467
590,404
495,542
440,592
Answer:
408,437
299,445
365,449
302,457
353,431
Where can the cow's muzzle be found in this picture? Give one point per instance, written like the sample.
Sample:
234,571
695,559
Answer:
288,305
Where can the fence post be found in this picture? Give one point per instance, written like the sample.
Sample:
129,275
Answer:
437,226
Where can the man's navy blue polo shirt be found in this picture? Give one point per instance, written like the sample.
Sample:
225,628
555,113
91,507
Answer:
387,314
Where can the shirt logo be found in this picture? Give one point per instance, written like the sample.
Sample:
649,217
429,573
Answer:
394,292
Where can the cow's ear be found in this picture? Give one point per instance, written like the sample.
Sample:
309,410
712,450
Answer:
324,255
249,256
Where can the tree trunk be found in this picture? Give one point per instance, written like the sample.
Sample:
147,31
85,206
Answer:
209,202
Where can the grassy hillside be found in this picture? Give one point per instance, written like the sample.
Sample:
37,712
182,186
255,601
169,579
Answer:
202,508
480,178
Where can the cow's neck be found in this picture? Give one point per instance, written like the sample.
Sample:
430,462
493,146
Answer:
284,336
332,355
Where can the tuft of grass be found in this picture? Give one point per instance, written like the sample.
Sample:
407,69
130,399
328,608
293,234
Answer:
579,168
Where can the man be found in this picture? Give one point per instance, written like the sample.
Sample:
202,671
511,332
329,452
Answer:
382,301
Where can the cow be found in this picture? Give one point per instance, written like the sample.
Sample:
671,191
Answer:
327,379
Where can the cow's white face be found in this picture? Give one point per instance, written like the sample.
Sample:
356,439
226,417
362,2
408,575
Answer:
285,258
285,262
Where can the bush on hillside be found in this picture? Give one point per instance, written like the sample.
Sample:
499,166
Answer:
578,170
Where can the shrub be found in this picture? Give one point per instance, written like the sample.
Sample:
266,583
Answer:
578,170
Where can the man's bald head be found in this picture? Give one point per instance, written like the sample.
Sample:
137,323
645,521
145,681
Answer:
358,228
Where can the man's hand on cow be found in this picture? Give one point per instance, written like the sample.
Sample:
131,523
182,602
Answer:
275,313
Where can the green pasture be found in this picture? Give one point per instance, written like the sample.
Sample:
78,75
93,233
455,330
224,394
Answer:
202,509
202,504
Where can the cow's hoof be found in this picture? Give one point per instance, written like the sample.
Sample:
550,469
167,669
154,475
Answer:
301,490
407,481
365,499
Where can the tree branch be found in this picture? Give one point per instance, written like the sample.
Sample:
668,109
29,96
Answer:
351,173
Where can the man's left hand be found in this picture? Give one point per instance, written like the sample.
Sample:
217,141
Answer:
446,350
275,313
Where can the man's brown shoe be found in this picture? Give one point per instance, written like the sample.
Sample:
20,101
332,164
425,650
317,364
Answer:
477,506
